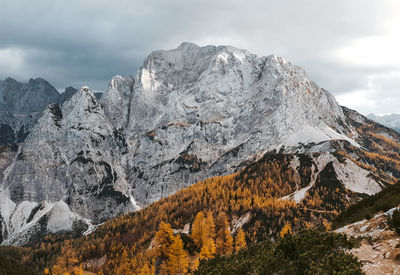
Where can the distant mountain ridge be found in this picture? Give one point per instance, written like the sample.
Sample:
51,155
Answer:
391,121
21,105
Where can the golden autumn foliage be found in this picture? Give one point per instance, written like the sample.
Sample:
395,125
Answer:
257,189
169,251
178,259
240,240
207,249
130,244
164,239
203,234
224,240
208,227
287,229
146,270
327,225
124,268
197,229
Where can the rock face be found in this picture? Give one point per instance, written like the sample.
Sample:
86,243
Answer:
116,101
21,105
73,162
67,94
73,154
30,97
196,112
190,113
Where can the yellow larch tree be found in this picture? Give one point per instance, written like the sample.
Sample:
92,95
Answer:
208,227
124,267
178,259
146,270
240,240
78,270
197,228
327,225
163,240
287,229
224,240
208,249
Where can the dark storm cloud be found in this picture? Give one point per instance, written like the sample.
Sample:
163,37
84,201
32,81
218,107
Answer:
87,42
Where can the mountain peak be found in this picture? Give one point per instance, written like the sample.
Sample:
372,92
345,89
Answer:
10,80
84,96
191,113
188,45
85,88
38,80
225,75
81,104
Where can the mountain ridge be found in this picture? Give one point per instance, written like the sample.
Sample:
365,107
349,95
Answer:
189,114
391,121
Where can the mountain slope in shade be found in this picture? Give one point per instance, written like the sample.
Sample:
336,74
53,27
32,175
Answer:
67,94
116,101
192,113
22,104
391,121
29,97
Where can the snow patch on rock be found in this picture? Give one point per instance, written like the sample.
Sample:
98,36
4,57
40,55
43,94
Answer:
355,178
308,134
352,176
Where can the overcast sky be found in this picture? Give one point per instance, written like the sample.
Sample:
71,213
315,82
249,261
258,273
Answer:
349,47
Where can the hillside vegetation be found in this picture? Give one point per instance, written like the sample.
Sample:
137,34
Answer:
368,207
219,216
251,199
309,252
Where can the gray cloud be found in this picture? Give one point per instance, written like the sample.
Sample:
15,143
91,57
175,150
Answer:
87,42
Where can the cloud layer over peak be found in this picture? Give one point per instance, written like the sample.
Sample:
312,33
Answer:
347,47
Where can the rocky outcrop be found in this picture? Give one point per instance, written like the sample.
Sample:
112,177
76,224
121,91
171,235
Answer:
379,251
117,99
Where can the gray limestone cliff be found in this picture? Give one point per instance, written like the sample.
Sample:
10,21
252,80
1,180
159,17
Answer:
189,114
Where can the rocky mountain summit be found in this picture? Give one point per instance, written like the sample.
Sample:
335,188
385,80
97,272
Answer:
197,112
189,114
